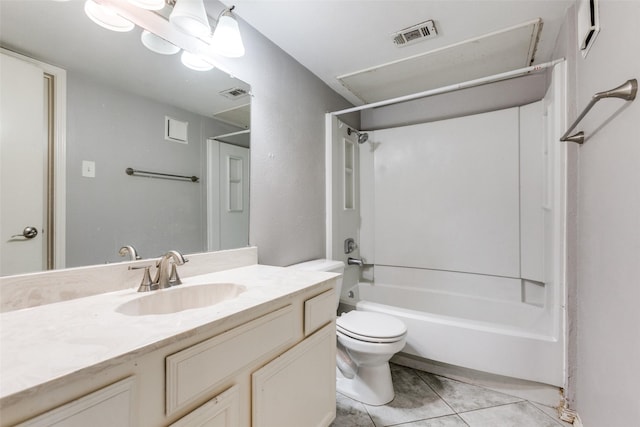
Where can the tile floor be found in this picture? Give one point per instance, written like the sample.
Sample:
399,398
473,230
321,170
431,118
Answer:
427,400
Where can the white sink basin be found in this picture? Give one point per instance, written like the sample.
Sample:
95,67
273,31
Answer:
181,298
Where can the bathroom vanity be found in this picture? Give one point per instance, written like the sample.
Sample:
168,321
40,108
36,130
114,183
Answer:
252,345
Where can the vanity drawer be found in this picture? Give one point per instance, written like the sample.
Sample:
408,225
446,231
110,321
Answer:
318,311
223,410
111,405
198,370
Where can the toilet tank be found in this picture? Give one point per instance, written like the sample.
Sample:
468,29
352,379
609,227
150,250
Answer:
327,265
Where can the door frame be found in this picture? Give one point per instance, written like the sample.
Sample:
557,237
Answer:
331,125
57,158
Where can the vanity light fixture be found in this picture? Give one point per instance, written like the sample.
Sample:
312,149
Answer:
195,62
148,4
226,40
106,17
190,17
157,44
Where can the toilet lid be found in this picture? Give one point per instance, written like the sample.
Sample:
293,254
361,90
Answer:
372,327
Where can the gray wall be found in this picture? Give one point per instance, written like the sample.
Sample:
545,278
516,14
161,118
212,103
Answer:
119,130
287,155
607,324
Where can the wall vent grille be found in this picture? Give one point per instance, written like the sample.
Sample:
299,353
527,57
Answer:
234,93
422,31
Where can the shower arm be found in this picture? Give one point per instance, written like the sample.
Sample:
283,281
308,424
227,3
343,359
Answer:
626,91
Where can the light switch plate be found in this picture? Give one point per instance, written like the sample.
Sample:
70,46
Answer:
88,169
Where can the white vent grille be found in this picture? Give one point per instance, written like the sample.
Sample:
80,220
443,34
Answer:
422,31
234,93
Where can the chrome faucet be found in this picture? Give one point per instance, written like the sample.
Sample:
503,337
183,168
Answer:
128,249
165,278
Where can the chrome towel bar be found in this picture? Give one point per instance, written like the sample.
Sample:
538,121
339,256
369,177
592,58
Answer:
626,91
147,174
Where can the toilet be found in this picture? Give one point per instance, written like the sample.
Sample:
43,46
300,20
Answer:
366,342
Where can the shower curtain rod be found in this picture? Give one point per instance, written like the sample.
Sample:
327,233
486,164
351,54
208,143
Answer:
451,88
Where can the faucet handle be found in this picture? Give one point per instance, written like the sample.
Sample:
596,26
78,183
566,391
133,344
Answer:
174,279
146,284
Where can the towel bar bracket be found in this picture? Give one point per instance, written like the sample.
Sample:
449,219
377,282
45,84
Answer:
626,91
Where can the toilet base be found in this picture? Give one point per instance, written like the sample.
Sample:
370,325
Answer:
371,385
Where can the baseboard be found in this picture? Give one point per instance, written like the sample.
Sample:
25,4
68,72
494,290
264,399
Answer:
543,394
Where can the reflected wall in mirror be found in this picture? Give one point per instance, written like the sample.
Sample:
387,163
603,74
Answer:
118,98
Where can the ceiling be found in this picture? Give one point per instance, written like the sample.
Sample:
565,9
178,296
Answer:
333,38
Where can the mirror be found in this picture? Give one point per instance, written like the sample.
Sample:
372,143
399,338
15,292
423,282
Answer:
119,99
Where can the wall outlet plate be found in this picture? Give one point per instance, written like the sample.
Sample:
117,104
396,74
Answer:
88,168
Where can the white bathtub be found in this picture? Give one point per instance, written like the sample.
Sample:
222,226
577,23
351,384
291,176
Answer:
498,336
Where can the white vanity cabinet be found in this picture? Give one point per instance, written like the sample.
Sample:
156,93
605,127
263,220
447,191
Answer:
110,406
221,411
193,373
292,385
298,388
272,365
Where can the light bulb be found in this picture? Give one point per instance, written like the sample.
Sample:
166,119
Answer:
157,44
106,17
148,4
226,40
190,17
195,62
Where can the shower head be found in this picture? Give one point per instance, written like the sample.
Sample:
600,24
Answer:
362,136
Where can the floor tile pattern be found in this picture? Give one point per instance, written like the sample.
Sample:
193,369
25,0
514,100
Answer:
427,400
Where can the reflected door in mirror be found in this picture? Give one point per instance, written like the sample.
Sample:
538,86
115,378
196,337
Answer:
227,195
23,166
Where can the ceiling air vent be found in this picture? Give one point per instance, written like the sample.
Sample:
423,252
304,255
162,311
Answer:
422,31
234,93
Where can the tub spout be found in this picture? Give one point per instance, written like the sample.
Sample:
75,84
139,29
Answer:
355,261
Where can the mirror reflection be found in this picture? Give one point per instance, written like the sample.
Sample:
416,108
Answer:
126,107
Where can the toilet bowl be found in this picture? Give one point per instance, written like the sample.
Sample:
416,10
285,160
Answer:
370,340
365,343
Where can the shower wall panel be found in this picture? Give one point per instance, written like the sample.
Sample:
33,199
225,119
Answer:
447,195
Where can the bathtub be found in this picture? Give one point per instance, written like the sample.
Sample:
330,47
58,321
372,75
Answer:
502,337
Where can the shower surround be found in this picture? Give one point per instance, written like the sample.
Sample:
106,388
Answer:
461,226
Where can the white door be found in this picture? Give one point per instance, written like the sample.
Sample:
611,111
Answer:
227,196
23,158
345,189
234,196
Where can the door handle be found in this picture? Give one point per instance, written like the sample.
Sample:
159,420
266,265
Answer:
27,233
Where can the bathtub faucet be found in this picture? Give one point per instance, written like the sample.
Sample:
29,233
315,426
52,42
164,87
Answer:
355,261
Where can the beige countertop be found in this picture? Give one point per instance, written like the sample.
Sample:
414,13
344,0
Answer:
41,346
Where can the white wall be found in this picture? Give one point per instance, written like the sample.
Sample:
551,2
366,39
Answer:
447,195
607,353
287,151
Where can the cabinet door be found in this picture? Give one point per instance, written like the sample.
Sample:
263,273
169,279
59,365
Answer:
195,372
221,411
107,407
299,387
